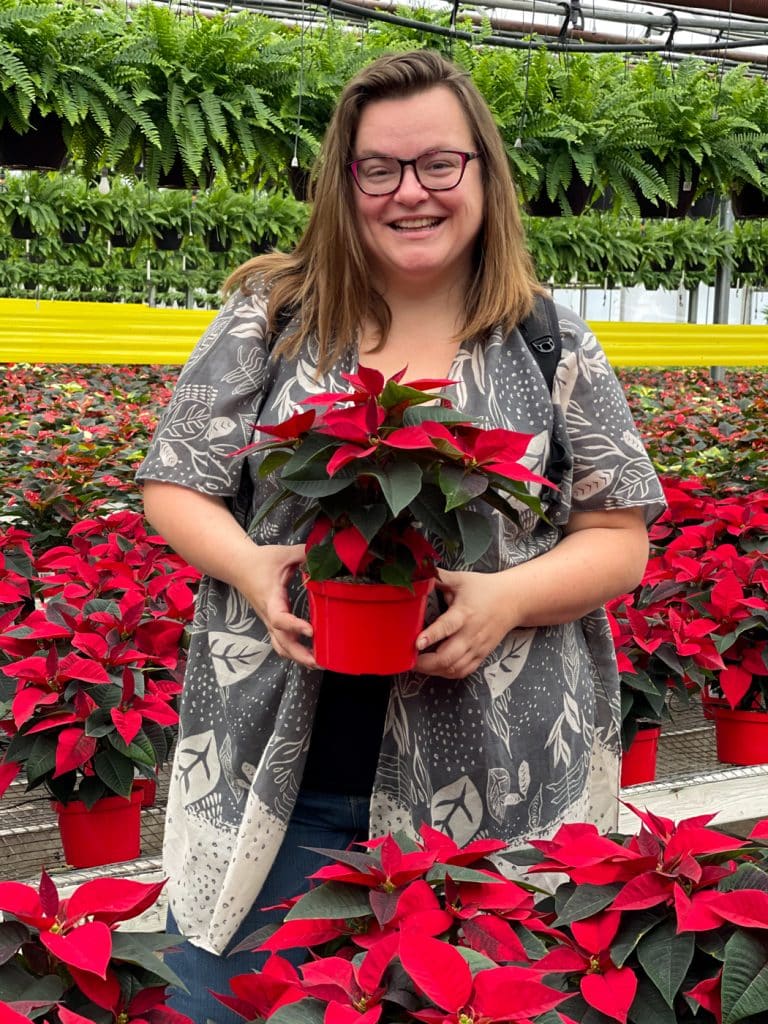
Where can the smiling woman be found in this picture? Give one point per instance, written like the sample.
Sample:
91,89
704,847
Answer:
414,254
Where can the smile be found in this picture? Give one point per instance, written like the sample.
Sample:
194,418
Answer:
416,224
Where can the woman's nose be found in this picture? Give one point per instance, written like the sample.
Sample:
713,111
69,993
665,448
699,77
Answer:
410,188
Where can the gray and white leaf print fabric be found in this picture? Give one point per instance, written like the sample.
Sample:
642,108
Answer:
530,740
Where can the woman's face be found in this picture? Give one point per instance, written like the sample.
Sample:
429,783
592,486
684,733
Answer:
415,236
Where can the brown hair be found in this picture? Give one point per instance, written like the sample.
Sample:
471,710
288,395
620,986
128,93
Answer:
326,279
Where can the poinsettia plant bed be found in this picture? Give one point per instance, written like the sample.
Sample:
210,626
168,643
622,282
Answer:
668,926
66,962
91,673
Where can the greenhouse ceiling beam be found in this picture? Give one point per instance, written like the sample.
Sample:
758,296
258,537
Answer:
348,8
663,22
360,11
757,8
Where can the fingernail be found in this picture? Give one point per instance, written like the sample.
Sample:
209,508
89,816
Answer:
422,643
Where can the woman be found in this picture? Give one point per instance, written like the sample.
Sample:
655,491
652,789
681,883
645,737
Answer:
414,254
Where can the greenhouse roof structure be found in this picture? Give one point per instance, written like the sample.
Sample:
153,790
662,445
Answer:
718,30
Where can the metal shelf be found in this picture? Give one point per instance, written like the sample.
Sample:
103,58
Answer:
690,780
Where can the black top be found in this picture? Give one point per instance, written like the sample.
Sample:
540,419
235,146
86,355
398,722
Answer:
346,736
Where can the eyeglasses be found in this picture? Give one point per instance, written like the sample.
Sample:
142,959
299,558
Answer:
437,172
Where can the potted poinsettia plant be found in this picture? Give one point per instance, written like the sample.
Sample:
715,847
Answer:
668,926
706,587
90,677
381,464
66,961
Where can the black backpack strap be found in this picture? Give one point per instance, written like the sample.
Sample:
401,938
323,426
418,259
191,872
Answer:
541,333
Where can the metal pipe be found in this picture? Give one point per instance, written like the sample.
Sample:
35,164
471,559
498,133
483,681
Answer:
756,8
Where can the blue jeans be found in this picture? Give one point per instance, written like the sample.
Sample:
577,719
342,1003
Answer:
327,820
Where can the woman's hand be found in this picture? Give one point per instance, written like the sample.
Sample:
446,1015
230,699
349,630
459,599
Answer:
266,589
603,554
479,616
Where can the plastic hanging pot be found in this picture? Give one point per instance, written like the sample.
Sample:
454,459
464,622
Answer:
638,763
366,628
41,148
75,236
22,229
108,833
168,239
741,736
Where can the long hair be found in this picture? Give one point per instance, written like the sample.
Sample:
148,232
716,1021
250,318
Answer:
326,280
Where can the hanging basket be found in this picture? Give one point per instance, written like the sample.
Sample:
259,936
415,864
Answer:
750,203
741,736
638,763
366,628
41,148
168,239
108,833
578,195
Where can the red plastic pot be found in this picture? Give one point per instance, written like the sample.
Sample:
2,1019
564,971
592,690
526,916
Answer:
148,789
107,833
638,764
741,736
366,628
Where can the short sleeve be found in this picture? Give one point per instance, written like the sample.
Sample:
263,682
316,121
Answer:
215,403
611,468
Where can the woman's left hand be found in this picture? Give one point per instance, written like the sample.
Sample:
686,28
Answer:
478,617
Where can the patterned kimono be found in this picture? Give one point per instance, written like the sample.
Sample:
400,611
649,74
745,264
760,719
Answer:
528,741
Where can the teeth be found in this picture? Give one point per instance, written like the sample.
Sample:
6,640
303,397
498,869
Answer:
422,222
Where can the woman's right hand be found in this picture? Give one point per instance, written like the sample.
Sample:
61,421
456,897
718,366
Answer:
266,589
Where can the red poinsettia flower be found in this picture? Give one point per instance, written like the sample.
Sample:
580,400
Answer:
509,994
605,987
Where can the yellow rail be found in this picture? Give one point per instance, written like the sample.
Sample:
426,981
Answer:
97,332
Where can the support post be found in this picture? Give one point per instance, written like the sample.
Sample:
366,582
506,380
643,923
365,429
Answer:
723,281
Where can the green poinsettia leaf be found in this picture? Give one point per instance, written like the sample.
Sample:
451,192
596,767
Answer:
666,956
42,758
369,519
17,984
458,873
142,949
399,394
331,901
398,575
459,486
534,946
585,901
429,510
139,750
313,447
322,561
400,483
745,978
475,961
99,723
272,461
114,770
649,1007
318,484
305,1011
90,790
12,934
746,876
412,417
632,929
475,533
106,696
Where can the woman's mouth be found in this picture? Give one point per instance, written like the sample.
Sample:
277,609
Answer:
416,223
